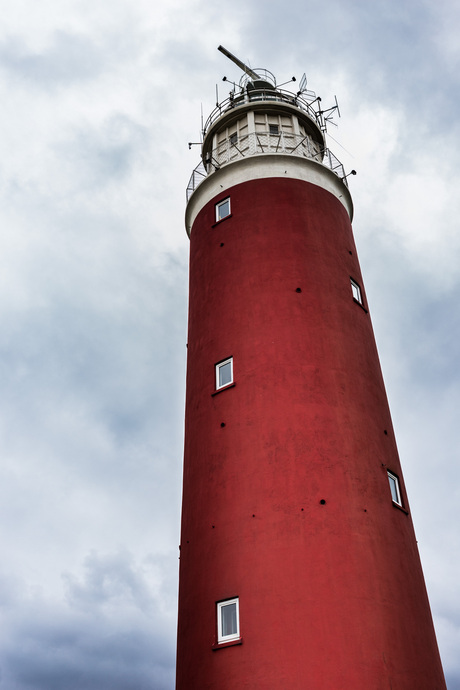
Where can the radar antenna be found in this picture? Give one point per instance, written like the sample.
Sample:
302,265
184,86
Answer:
238,62
303,84
308,95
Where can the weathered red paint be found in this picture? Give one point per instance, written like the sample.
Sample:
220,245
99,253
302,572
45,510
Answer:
332,595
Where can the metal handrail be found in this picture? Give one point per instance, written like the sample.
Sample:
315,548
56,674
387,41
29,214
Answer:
249,96
196,179
258,144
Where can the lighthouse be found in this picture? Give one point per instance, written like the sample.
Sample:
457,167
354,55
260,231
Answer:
299,567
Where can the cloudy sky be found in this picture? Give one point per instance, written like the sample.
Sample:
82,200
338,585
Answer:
99,100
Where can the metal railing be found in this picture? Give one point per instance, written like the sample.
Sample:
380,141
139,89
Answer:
254,95
260,143
196,179
232,149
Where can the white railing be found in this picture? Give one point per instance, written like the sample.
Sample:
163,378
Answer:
252,95
231,149
260,143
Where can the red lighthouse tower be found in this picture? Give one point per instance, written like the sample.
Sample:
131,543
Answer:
299,566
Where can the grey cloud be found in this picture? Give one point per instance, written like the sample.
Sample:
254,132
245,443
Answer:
107,153
114,633
69,58
107,579
87,654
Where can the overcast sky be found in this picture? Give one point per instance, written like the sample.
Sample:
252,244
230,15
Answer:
99,100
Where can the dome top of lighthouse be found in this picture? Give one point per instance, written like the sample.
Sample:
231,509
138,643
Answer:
262,79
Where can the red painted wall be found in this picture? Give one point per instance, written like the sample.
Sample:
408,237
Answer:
331,594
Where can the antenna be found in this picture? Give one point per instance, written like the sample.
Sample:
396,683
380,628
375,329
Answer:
303,84
309,96
329,114
229,81
238,62
352,172
337,106
286,82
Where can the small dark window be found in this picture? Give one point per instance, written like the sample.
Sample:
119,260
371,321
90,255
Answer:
273,129
233,139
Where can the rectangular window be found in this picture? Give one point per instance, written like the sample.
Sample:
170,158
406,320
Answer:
224,373
223,209
233,139
274,129
228,620
356,291
394,488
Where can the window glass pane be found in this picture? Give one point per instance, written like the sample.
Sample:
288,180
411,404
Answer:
223,209
394,488
229,624
394,492
356,291
225,374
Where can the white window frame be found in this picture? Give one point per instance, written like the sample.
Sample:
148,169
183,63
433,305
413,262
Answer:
356,291
218,209
394,482
234,636
219,365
